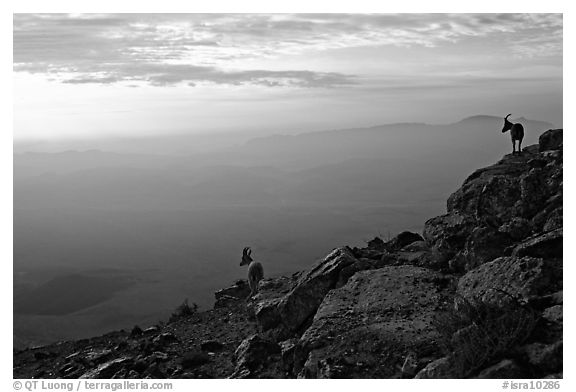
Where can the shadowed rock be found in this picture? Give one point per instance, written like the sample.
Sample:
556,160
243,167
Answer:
506,368
550,140
253,354
311,288
508,279
403,239
545,245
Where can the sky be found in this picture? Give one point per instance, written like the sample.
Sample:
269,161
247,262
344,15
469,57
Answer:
102,75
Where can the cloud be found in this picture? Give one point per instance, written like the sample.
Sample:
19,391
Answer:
169,74
167,49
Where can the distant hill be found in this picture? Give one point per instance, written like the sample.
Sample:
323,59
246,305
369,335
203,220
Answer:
69,293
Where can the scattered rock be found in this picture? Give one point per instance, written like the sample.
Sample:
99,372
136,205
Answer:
159,356
108,369
154,371
547,358
139,366
164,339
97,356
226,301
193,359
506,368
152,330
39,355
410,366
252,354
240,290
211,346
70,370
440,368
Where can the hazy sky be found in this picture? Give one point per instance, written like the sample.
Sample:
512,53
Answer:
91,74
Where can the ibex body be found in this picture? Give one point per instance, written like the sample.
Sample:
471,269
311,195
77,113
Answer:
516,133
255,270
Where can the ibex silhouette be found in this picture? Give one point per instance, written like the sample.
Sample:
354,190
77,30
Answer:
516,132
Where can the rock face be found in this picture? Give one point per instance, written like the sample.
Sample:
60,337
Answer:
368,327
253,354
548,245
550,140
509,278
478,295
504,369
499,205
289,312
228,296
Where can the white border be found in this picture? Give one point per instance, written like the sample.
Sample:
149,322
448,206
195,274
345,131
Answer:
249,6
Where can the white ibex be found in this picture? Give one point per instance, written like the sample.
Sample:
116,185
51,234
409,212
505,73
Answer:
255,270
516,132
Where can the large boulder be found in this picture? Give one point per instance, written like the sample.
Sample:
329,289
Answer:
483,245
403,239
550,140
301,303
446,234
264,306
369,327
252,355
509,279
490,193
548,245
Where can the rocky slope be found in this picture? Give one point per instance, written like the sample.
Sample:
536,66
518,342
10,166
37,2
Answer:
478,295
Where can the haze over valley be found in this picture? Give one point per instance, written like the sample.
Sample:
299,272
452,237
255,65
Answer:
107,239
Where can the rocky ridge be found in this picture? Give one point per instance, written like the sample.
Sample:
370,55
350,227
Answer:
478,295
